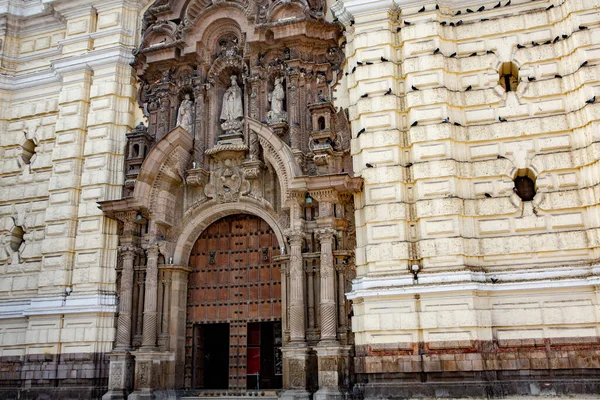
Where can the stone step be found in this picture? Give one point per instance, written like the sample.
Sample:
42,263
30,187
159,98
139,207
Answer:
249,395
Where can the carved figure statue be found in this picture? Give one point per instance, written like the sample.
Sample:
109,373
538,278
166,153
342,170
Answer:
232,102
232,111
276,97
254,146
184,116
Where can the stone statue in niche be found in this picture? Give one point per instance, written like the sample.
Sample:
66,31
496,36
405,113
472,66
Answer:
184,116
254,146
232,112
276,97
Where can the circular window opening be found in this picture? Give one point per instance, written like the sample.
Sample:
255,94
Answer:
525,188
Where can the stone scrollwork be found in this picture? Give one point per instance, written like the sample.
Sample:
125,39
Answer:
227,179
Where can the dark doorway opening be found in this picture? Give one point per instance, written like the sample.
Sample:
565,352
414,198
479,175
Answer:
264,368
211,356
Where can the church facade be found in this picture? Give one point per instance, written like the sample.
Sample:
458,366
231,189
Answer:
299,199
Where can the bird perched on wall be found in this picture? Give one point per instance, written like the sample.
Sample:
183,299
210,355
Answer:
363,130
489,196
383,59
452,55
413,87
437,50
547,42
368,165
534,43
468,88
473,54
501,157
582,27
389,91
480,9
459,23
422,9
445,120
458,12
490,52
558,76
520,46
556,39
507,4
368,63
469,10
365,95
457,124
484,19
414,123
564,36
498,5
353,69
406,23
359,63
437,7
451,24
550,7
583,64
502,119
408,165
443,23
351,22
494,280
592,100
398,29
531,78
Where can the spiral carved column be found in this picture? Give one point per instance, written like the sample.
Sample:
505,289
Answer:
125,298
328,295
296,289
150,311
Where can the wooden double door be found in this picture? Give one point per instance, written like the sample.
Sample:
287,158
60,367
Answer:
233,322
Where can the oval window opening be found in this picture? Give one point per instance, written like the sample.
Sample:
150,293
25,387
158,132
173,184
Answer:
525,188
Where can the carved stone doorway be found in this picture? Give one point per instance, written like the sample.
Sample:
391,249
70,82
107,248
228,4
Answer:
234,284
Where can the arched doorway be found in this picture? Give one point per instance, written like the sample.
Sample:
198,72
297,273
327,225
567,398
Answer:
233,321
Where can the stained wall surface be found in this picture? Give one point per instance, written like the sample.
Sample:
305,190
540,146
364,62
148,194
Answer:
506,288
66,100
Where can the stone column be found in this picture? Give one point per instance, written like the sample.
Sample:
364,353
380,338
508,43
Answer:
295,354
125,298
150,323
328,295
296,289
311,297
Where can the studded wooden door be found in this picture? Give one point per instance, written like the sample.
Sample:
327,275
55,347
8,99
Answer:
233,280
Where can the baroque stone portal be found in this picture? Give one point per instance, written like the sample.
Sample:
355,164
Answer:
237,222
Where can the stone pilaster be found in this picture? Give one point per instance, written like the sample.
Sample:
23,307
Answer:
150,303
333,369
295,373
120,382
328,295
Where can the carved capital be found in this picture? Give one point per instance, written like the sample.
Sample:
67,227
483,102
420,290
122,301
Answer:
325,234
325,195
129,251
294,237
152,250
128,218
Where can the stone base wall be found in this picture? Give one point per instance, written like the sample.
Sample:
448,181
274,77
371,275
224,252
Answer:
51,376
479,368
